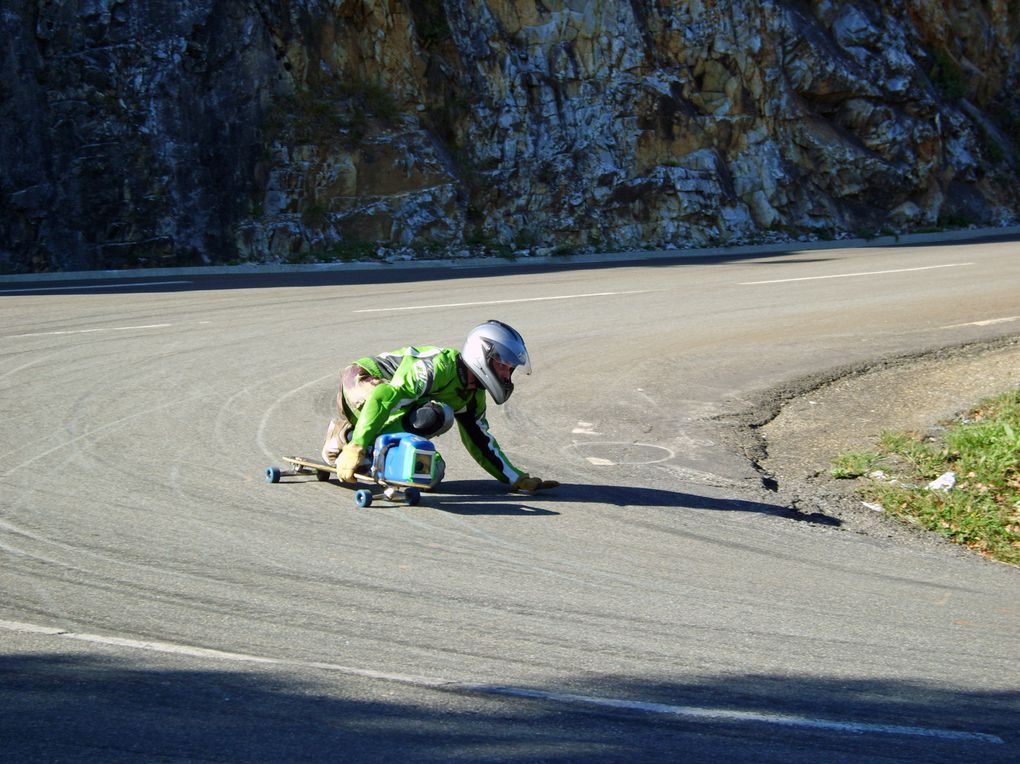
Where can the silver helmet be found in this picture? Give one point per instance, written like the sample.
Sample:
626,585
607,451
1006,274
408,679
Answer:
495,343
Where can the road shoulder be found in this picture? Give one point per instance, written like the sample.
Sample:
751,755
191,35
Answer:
849,411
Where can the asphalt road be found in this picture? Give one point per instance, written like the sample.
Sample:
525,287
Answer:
162,602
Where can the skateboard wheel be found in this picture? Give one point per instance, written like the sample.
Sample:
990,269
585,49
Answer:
322,476
272,474
363,498
412,496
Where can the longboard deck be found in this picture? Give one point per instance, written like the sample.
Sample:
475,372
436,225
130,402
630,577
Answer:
324,471
394,491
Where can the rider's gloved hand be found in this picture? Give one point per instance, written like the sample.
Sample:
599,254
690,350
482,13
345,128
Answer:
348,461
527,484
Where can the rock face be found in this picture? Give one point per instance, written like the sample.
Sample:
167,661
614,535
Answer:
135,132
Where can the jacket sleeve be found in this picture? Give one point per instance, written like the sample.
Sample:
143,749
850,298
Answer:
412,380
475,435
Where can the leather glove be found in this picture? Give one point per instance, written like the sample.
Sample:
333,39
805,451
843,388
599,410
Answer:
349,461
527,484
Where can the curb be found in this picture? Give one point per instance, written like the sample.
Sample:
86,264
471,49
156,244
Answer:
627,257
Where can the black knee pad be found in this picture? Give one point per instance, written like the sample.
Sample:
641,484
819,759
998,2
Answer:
429,420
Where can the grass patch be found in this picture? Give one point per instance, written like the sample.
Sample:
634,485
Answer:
342,252
854,464
325,113
430,23
485,244
371,97
982,448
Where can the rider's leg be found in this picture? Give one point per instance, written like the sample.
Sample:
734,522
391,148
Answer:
336,439
356,384
429,420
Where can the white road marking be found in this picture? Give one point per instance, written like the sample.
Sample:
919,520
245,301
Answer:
446,685
501,302
91,331
626,451
58,288
986,322
850,275
732,715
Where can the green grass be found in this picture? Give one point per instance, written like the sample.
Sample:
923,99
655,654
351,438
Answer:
855,464
983,449
341,252
325,112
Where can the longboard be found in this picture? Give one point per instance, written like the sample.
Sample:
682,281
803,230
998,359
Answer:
394,491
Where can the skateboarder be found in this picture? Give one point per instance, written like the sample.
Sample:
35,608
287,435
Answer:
424,390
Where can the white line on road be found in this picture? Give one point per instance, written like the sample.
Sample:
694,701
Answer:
684,712
850,275
124,285
986,322
502,302
91,331
731,715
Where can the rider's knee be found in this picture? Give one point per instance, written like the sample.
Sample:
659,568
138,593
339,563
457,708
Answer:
429,420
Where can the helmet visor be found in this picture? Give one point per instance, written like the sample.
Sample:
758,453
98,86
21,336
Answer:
503,371
500,356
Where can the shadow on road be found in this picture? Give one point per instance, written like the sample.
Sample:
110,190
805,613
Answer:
76,707
471,497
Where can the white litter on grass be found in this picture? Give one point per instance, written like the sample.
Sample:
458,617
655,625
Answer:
873,507
943,482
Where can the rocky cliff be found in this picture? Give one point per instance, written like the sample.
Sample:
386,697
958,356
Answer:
135,132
